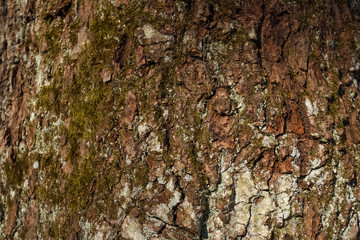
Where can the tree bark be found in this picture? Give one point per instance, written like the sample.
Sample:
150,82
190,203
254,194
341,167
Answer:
179,119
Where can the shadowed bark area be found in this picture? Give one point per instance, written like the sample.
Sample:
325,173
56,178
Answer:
179,119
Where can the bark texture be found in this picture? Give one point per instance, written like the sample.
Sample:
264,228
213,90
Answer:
179,119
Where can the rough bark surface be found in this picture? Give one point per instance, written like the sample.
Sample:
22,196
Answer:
179,119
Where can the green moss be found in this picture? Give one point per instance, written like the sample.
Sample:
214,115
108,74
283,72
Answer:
27,43
87,94
201,137
141,175
276,233
333,108
16,170
74,29
59,229
136,10
257,141
226,7
202,134
197,167
86,103
50,191
89,106
49,97
53,38
243,128
79,184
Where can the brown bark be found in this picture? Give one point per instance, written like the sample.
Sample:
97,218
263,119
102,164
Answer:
179,119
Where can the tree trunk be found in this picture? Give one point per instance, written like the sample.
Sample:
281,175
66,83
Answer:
179,119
